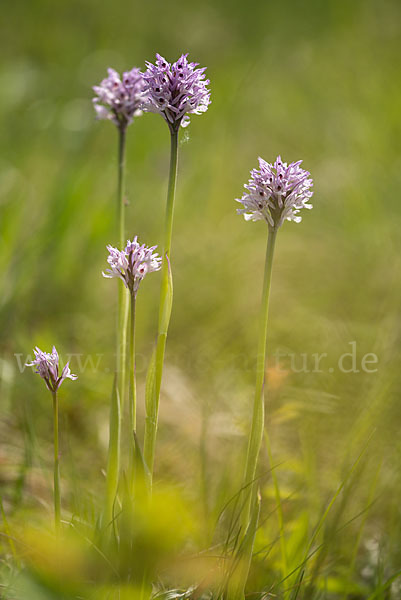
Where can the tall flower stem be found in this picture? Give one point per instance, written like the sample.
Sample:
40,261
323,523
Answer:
57,501
164,311
123,294
258,416
121,184
113,463
132,388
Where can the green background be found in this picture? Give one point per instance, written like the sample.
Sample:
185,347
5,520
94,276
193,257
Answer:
311,80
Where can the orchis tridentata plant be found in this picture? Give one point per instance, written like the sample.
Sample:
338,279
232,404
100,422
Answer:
47,366
175,90
276,192
132,264
119,99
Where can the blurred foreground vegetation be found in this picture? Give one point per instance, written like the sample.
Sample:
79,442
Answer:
313,80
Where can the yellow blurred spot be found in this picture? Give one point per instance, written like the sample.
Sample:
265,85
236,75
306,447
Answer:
275,377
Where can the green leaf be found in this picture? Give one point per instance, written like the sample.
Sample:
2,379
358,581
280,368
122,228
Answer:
142,470
167,302
150,386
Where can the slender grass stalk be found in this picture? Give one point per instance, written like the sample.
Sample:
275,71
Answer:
283,547
57,501
258,416
238,574
117,400
132,388
8,533
358,538
382,587
164,313
323,518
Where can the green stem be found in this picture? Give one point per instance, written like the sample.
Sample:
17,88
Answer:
117,401
164,310
123,294
258,417
57,502
132,374
132,387
251,503
121,186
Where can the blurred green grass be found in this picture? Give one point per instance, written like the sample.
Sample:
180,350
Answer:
311,80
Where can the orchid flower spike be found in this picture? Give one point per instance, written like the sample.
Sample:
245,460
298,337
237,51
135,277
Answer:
175,90
276,192
119,99
47,366
132,264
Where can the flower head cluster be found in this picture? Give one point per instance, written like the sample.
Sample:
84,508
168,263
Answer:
132,264
176,90
47,366
119,99
276,192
